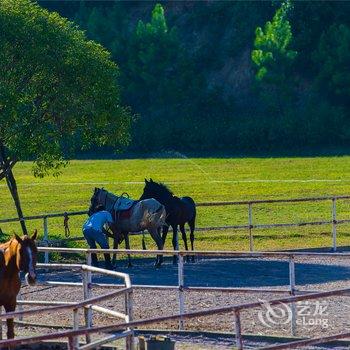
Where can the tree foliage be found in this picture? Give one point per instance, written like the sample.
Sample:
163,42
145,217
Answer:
333,60
197,85
272,54
159,80
153,63
59,91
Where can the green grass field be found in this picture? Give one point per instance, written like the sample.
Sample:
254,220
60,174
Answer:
208,179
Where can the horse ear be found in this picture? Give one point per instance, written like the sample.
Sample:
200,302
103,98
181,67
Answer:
151,179
18,238
35,233
146,182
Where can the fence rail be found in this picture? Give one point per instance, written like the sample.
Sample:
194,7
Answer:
200,204
250,226
88,304
261,201
72,335
182,287
244,254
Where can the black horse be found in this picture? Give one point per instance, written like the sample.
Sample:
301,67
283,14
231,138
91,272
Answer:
179,212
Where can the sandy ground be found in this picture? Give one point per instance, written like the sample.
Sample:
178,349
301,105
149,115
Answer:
329,316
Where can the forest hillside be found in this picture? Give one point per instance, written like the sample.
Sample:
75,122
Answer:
227,76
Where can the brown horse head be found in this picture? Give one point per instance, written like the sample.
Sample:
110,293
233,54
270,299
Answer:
27,256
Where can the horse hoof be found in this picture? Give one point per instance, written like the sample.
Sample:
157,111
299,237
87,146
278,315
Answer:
129,265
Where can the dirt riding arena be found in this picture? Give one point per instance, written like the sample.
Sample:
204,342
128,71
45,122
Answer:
312,274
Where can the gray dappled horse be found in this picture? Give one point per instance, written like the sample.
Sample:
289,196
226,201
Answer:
132,216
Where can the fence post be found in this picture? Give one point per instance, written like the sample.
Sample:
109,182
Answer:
20,306
180,272
129,341
250,223
238,328
334,224
87,294
46,239
76,327
292,292
71,343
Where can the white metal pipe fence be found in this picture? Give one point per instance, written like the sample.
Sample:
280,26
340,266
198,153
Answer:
88,304
182,287
236,309
250,226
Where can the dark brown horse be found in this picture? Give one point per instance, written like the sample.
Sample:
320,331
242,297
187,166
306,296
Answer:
18,254
179,212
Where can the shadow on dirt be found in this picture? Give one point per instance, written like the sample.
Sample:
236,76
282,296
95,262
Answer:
219,273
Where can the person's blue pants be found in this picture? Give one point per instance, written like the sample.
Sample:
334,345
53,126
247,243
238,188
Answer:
92,236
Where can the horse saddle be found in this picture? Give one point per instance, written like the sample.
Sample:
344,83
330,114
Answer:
123,203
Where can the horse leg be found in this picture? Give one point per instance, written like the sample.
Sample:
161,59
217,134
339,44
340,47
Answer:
164,233
115,246
184,238
192,224
127,246
154,232
175,242
10,307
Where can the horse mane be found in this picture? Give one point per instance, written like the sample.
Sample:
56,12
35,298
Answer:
162,187
108,199
111,196
5,245
10,247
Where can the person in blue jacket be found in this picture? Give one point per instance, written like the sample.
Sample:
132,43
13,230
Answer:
94,232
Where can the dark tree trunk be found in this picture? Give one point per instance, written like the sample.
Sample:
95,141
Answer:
6,167
11,184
